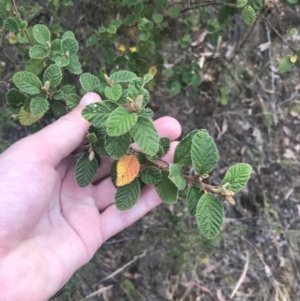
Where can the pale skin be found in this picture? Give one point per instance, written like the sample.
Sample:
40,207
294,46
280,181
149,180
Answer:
49,226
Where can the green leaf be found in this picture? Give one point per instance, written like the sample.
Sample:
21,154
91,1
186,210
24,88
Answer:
54,75
91,40
1,26
15,98
285,64
68,34
113,172
89,82
157,18
111,29
74,65
144,35
26,118
102,29
248,15
129,19
39,105
11,25
173,12
120,122
148,113
182,154
166,189
127,195
169,72
145,135
99,146
175,88
165,143
292,1
117,147
237,176
176,176
196,80
34,66
224,13
23,25
58,109
41,34
293,32
147,77
209,216
204,153
151,175
68,89
58,95
72,100
98,113
91,137
70,45
61,61
193,196
3,12
85,170
122,76
38,52
116,22
241,3
56,46
27,82
114,92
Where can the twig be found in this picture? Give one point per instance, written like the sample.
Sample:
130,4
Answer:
124,266
246,266
277,33
99,291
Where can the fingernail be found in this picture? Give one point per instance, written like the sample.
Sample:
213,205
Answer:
89,98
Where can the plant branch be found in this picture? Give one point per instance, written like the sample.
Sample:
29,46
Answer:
277,33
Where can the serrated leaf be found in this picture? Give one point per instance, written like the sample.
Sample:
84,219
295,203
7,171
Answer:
114,92
117,147
58,109
157,18
176,176
74,65
173,12
34,66
241,3
56,46
41,34
26,118
237,176
68,89
3,12
99,146
72,100
27,82
122,76
151,175
147,77
61,61
89,82
120,122
98,113
85,170
204,153
11,25
128,168
193,196
91,137
148,113
70,45
39,105
166,189
285,64
38,52
248,15
68,34
127,196
209,215
165,143
182,154
145,135
54,75
15,98
57,95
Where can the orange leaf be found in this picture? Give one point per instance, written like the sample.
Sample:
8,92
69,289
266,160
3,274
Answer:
128,168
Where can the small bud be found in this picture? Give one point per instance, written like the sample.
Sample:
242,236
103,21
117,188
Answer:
46,86
91,155
49,44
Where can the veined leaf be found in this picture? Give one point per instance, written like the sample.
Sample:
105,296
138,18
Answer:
74,66
127,196
72,100
34,66
61,61
69,45
285,64
38,52
89,82
166,189
241,3
15,98
165,143
151,175
204,153
99,146
117,147
11,24
85,170
27,82
248,15
114,92
68,34
148,113
122,76
128,168
56,46
58,109
26,118
209,215
237,176
41,34
39,105
54,75
120,122
98,113
193,196
145,135
176,176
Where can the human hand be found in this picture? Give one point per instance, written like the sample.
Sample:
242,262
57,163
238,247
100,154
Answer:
49,226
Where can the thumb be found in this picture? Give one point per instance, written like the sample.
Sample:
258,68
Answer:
62,137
